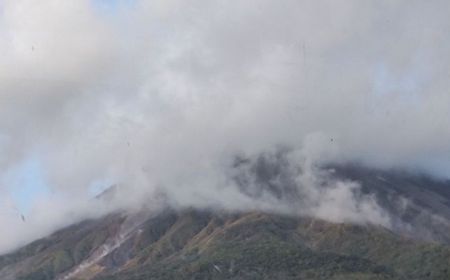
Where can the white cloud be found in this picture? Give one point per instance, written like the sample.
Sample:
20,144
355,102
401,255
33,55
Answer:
162,94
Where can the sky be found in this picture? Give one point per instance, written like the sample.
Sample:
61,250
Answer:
25,181
160,97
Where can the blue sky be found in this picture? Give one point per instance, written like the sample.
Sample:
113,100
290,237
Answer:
26,183
111,6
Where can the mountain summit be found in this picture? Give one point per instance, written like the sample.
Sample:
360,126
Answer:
218,244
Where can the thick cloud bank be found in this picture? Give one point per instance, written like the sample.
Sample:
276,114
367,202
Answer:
162,96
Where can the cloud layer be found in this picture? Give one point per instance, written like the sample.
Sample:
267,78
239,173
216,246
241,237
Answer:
160,96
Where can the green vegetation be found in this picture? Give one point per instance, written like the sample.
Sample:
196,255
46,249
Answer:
202,245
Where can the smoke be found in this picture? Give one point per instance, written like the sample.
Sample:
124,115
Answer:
162,96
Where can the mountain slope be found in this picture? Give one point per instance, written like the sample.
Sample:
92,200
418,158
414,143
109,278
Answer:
205,245
212,244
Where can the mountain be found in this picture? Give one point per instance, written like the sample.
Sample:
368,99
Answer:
211,244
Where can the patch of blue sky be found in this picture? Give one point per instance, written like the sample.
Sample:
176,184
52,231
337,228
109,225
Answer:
385,82
99,186
26,184
392,89
111,7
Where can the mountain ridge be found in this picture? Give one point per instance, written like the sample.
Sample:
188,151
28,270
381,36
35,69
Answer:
193,243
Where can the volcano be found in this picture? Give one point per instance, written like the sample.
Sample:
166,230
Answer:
195,243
